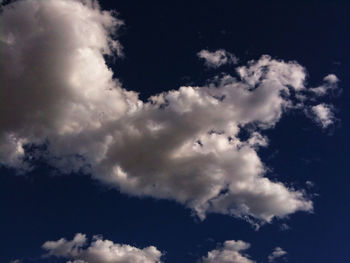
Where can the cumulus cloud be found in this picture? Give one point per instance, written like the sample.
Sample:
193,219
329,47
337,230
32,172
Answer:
79,250
53,73
64,248
99,250
217,58
276,253
182,145
323,114
230,252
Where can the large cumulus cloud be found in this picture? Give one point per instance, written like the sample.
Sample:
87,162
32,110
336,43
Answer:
183,145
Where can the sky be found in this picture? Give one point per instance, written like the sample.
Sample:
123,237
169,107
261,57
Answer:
174,131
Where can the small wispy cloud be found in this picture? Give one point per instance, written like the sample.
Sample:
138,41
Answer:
276,253
79,250
215,59
330,84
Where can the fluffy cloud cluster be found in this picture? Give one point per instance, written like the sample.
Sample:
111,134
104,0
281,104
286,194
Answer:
55,82
79,251
231,252
182,145
276,253
217,58
323,114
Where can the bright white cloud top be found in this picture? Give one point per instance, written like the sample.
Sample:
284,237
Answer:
182,145
99,250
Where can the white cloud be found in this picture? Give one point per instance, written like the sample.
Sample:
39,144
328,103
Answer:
330,83
331,78
231,252
99,250
181,145
276,253
323,114
217,58
64,248
53,73
80,250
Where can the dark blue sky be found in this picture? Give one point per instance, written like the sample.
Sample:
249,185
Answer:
160,40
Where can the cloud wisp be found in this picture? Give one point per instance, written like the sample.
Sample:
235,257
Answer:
276,253
182,145
217,58
323,114
329,85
